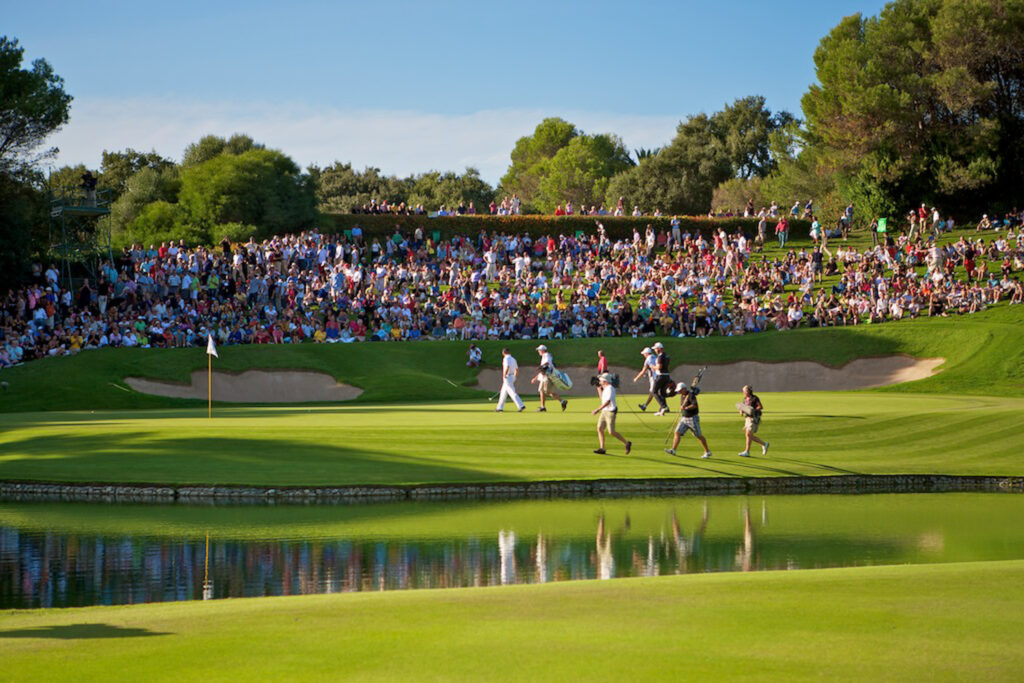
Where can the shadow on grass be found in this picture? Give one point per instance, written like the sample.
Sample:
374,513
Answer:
138,457
827,468
81,632
763,468
678,461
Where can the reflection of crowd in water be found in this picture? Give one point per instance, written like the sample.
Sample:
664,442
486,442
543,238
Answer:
52,570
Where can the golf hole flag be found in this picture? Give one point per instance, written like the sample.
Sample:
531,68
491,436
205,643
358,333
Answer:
211,352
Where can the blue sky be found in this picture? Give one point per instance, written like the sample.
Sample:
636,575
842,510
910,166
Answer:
411,86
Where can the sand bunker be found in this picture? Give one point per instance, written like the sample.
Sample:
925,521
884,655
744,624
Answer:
862,373
253,386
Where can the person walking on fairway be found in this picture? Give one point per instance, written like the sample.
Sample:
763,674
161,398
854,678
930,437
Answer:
689,420
509,373
662,382
608,410
543,379
752,413
650,369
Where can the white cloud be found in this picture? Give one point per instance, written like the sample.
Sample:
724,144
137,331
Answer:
397,142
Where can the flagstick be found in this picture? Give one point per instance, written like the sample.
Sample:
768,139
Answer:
209,386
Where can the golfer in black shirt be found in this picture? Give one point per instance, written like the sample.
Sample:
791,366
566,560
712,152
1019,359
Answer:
689,420
662,382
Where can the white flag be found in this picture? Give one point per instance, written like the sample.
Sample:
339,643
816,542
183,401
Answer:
211,348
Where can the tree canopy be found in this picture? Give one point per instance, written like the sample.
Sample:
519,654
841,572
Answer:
923,103
706,151
33,105
211,146
558,163
259,187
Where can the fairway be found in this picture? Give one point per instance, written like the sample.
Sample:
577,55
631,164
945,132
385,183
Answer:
928,622
811,434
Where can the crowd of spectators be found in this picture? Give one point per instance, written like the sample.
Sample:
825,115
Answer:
343,288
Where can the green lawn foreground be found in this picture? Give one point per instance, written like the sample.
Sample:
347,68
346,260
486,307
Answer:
811,434
928,622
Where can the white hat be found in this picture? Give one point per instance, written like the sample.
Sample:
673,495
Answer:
647,350
542,348
605,377
681,387
657,345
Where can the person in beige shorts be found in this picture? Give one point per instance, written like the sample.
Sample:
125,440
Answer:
608,409
752,421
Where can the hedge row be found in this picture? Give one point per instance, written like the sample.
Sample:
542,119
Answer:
616,227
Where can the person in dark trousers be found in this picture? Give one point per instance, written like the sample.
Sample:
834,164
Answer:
662,382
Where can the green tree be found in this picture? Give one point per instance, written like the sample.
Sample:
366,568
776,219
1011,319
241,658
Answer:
734,193
449,189
66,181
33,105
800,175
530,155
212,146
118,167
341,189
580,171
682,176
744,129
260,187
706,151
161,221
144,187
923,103
22,214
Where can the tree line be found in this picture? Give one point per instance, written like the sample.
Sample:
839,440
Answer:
923,103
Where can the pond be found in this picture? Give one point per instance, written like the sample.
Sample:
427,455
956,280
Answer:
77,554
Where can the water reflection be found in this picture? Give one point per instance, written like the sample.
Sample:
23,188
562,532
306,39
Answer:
670,536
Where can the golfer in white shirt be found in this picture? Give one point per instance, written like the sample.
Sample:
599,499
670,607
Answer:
509,372
543,379
608,409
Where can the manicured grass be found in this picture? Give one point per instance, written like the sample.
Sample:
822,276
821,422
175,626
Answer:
984,355
928,622
811,434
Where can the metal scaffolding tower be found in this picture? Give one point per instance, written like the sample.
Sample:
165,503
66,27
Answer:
80,232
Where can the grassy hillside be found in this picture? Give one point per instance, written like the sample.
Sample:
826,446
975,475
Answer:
984,352
928,622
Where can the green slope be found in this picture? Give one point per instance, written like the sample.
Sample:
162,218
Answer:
984,355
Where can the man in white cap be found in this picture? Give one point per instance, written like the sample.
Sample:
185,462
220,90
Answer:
689,420
662,382
509,372
608,409
543,379
650,368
